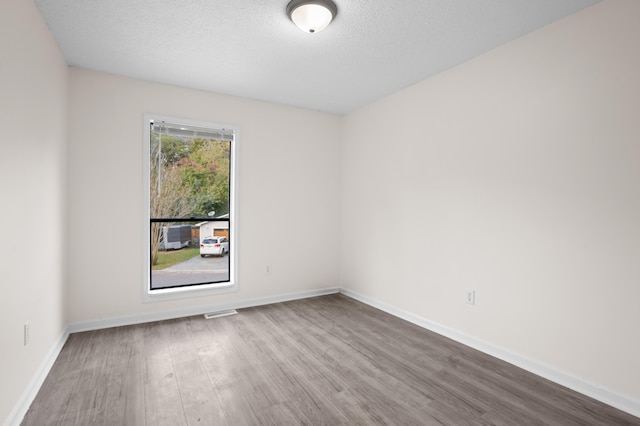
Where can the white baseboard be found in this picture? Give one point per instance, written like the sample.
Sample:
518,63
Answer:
195,310
29,394
592,390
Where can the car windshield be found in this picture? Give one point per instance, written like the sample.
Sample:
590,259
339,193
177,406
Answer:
210,241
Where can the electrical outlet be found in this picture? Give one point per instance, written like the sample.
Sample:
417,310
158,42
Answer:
27,333
471,296
268,269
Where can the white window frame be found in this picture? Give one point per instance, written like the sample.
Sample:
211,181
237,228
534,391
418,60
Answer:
200,290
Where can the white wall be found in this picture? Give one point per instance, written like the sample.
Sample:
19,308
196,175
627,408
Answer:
517,174
33,105
288,162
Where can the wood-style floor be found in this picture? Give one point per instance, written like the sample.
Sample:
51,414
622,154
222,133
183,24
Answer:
323,361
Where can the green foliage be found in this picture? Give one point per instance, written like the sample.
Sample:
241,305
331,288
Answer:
170,258
173,148
205,176
201,167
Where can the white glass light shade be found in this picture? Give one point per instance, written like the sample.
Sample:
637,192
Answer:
312,16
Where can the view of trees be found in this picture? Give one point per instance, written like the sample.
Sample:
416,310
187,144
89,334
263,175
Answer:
189,178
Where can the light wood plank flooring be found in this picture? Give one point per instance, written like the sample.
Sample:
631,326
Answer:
323,361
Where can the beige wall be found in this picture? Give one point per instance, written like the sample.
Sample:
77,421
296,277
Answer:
33,107
288,181
516,174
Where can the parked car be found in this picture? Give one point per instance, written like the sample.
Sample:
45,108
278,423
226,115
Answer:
216,246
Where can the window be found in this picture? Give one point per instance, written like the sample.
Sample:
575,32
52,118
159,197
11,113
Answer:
190,226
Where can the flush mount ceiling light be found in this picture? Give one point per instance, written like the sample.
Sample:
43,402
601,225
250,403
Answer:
312,16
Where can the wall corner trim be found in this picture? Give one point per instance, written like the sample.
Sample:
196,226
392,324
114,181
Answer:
589,389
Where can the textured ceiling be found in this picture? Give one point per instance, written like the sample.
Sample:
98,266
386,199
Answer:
250,48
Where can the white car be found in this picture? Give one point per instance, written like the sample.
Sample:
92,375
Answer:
216,246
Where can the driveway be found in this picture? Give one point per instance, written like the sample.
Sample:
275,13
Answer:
201,264
193,271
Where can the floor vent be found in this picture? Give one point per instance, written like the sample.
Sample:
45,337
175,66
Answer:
219,314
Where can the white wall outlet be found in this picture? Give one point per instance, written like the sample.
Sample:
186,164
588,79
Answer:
267,269
27,333
471,296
